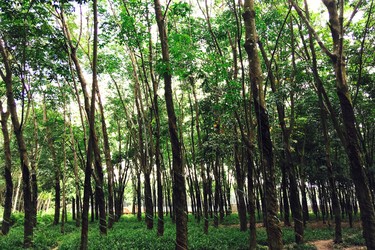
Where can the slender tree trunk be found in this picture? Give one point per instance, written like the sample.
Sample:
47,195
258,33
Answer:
265,144
139,201
157,143
284,183
7,172
352,146
33,163
148,202
288,165
56,166
240,191
63,211
202,165
76,177
179,188
24,159
251,195
86,198
17,193
108,162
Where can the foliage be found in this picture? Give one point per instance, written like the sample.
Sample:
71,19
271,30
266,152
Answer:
131,234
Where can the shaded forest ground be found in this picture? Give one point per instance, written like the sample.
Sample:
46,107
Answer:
129,233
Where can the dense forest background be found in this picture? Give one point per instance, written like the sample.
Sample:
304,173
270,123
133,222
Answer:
263,110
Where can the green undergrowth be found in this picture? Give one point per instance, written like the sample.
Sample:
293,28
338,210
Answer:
128,233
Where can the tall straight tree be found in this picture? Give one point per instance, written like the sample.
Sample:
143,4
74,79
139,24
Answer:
352,146
5,226
155,104
91,117
179,190
265,144
24,158
286,132
323,117
56,166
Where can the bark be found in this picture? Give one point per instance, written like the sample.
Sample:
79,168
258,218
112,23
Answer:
7,172
148,202
143,145
240,191
139,201
17,193
352,147
202,166
33,163
179,188
157,154
87,190
76,177
24,159
63,211
251,195
108,162
90,112
56,166
193,153
265,144
288,164
331,177
284,183
74,209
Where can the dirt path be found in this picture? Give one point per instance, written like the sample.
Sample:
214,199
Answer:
323,244
328,245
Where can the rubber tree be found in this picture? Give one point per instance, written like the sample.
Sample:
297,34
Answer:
264,138
5,226
352,146
7,77
179,189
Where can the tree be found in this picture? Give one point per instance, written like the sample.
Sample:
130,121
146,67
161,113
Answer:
179,192
265,143
352,146
7,172
17,128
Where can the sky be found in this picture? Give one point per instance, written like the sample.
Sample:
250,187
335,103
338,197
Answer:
314,5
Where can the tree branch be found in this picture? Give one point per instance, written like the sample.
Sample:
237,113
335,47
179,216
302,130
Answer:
312,30
355,11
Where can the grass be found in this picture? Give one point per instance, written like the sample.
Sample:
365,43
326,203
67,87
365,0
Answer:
128,233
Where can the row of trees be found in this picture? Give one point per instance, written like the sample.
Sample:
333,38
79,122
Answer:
255,94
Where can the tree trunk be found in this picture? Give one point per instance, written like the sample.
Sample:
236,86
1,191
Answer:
90,112
352,147
76,177
202,166
251,195
265,144
179,188
108,162
33,163
24,159
7,172
240,191
139,201
284,187
148,202
288,165
17,193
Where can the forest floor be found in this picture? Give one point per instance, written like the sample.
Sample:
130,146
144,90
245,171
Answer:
328,245
129,233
